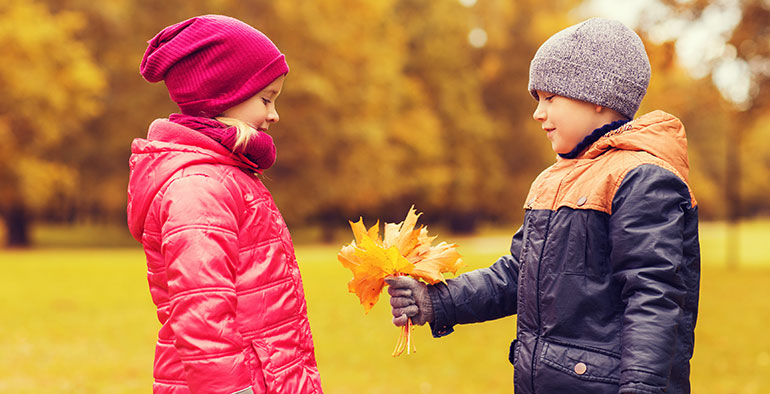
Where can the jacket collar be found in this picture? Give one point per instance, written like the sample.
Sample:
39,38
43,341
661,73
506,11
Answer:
657,133
593,137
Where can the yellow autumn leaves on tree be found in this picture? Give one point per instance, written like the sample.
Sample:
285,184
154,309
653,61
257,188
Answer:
403,250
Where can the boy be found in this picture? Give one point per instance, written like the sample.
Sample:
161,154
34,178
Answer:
604,272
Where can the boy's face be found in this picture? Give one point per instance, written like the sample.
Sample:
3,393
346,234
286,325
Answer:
566,121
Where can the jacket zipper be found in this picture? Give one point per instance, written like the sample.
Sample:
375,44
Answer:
547,231
537,298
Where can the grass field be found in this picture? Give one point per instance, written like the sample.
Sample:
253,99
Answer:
81,321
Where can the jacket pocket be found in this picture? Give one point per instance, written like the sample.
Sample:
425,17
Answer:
582,363
282,370
587,251
264,370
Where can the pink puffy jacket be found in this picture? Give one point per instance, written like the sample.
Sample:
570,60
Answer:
221,270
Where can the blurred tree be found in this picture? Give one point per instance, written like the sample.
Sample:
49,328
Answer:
342,139
743,55
705,114
116,35
337,156
382,109
750,40
516,30
441,61
387,104
50,86
756,156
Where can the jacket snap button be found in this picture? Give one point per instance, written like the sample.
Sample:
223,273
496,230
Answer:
580,368
581,201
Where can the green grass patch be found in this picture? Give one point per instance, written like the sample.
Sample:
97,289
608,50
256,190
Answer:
75,321
81,321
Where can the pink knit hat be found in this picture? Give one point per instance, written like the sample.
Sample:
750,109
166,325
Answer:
211,63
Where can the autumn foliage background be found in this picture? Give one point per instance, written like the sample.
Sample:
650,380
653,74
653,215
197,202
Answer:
387,104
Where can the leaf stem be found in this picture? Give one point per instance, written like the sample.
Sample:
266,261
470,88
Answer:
400,343
408,329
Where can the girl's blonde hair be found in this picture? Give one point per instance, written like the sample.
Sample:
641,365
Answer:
244,132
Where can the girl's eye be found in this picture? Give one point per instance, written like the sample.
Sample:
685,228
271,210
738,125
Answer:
266,101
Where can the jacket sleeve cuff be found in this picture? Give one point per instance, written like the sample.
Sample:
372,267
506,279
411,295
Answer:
639,388
441,324
640,382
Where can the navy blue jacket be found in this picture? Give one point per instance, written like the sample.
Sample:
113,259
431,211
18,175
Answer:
603,274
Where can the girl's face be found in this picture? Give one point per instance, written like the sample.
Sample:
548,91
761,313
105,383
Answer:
259,110
566,121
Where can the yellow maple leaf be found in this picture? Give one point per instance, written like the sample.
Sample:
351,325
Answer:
431,262
403,235
436,261
370,262
403,250
359,230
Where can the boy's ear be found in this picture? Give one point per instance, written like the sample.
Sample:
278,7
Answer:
598,109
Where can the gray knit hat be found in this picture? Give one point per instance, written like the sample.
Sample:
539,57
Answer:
600,61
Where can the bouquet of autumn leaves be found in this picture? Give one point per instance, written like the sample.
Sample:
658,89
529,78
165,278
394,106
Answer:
403,250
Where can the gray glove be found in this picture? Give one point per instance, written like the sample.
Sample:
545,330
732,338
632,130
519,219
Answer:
409,298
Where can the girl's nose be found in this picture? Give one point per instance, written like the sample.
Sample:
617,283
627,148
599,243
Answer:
272,116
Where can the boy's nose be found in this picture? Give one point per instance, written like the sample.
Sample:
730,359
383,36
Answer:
539,113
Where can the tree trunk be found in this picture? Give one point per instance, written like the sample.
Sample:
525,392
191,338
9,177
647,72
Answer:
733,195
463,222
330,220
17,226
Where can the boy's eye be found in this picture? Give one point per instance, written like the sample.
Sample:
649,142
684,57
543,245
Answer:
549,98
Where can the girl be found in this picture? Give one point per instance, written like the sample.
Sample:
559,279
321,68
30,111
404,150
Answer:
221,265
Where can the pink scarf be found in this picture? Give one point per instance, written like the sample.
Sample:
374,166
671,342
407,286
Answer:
260,149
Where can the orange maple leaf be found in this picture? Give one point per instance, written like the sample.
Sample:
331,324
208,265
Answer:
430,262
403,250
436,261
370,262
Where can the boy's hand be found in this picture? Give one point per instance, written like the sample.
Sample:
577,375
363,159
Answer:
409,299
